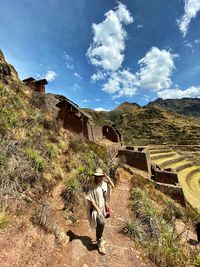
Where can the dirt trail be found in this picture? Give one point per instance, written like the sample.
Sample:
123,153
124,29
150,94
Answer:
23,244
82,250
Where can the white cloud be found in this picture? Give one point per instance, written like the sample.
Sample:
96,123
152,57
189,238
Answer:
50,75
197,41
192,7
140,26
178,93
78,76
75,87
97,99
146,98
121,83
85,101
98,76
156,69
101,109
108,44
68,61
189,45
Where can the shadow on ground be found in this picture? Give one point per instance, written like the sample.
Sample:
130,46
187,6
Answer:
86,240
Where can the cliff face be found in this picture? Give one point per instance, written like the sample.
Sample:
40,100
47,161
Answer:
184,106
7,71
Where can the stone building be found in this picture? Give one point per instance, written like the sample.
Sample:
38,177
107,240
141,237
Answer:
36,85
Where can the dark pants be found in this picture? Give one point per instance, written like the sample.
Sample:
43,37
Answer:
100,227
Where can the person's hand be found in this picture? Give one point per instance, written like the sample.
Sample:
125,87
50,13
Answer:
100,214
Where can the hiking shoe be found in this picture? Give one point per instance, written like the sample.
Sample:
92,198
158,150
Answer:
101,247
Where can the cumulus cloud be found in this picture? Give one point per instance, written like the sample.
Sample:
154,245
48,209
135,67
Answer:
50,75
156,69
98,76
101,109
121,83
178,93
108,45
192,7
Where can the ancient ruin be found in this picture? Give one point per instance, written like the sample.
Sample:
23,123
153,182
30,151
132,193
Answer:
136,157
36,85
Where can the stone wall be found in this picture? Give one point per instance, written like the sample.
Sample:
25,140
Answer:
136,159
110,133
97,134
175,192
71,119
165,177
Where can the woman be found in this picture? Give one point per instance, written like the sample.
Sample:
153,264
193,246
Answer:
97,197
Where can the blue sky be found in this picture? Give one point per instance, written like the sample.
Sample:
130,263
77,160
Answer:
101,53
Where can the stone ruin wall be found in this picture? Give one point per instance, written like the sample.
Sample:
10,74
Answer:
137,159
175,192
165,181
166,177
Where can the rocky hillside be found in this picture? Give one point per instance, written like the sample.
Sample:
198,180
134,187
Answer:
150,125
184,106
129,107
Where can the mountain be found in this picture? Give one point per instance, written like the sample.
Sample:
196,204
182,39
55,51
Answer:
129,107
184,106
150,125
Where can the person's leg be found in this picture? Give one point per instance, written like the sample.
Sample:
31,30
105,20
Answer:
100,228
99,233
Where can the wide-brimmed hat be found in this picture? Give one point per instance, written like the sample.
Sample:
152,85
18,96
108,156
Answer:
98,172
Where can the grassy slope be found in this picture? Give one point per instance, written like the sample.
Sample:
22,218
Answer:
142,126
36,152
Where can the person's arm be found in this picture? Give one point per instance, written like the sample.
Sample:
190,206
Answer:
97,209
109,180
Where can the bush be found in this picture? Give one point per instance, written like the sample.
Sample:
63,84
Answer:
3,221
166,254
76,144
133,229
89,162
38,162
52,151
71,192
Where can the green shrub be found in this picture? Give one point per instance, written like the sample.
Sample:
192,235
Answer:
71,192
197,262
98,150
76,144
38,162
52,151
3,221
72,184
133,229
89,162
166,254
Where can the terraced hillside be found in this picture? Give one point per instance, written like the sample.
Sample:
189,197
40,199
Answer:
188,171
145,126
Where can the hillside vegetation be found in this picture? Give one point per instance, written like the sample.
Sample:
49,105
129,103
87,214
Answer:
36,152
184,106
150,125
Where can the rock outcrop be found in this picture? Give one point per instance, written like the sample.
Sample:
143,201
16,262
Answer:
7,71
